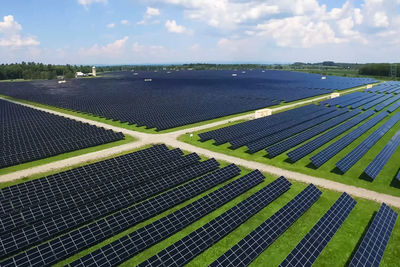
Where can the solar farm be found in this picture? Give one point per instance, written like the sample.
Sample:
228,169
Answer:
182,190
164,100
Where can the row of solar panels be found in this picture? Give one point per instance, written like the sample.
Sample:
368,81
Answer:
279,133
387,87
158,180
167,101
27,134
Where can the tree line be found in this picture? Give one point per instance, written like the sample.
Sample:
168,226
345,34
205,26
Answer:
32,71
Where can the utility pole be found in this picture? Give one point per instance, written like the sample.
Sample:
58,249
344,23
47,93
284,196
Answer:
393,71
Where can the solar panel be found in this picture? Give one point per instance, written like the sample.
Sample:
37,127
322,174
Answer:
394,107
375,102
322,157
71,219
100,230
379,162
126,247
142,103
44,209
75,176
387,103
289,127
225,134
28,134
372,247
316,143
184,250
398,176
309,248
287,144
275,138
248,249
357,153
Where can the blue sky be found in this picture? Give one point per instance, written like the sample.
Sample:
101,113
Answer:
181,31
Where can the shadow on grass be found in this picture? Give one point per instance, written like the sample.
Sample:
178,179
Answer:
361,239
336,170
395,182
365,177
311,166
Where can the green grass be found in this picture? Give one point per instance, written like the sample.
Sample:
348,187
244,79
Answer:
339,249
128,139
153,130
337,252
384,183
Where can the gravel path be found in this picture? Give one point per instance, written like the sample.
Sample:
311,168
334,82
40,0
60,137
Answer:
171,139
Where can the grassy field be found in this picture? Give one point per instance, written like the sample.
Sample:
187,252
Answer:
128,139
154,131
384,183
337,253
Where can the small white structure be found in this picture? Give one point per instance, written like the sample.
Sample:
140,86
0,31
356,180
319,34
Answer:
323,78
234,74
334,95
135,73
94,71
263,113
79,74
369,86
148,80
243,72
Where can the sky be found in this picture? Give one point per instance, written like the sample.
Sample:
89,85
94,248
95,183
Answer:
207,31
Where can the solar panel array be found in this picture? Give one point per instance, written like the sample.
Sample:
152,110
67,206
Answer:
322,157
377,101
287,144
376,166
387,103
62,247
309,147
357,153
386,87
309,248
373,245
260,139
43,230
167,101
225,134
27,134
394,107
184,250
247,249
126,247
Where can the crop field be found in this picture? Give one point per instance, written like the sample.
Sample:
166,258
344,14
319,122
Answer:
164,203
165,99
353,139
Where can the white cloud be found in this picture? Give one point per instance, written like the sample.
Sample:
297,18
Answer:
124,22
172,26
299,31
112,49
381,20
111,25
150,12
10,31
86,3
224,13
